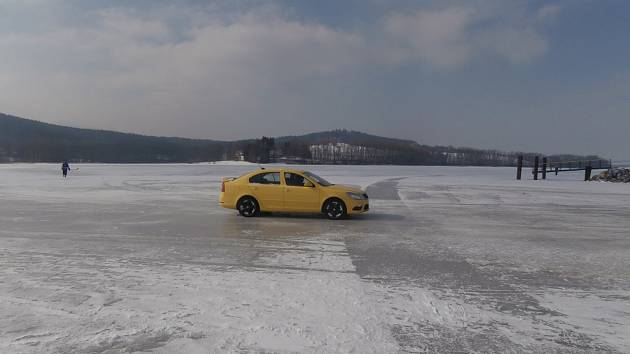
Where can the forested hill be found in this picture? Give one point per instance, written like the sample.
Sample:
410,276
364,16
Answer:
25,140
345,136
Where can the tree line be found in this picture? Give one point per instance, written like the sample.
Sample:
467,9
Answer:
23,140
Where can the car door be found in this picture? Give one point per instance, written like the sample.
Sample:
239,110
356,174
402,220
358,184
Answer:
267,189
300,194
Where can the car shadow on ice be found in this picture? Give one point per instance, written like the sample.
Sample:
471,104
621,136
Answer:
357,217
379,216
291,225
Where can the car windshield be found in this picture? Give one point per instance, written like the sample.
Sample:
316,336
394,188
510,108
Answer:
319,180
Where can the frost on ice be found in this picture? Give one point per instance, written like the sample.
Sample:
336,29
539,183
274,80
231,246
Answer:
140,258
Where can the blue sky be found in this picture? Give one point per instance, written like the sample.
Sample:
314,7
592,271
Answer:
548,76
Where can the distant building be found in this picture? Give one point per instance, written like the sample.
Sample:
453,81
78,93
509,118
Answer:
238,156
292,160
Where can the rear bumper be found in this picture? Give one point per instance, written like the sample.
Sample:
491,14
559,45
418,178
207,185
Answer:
224,203
227,206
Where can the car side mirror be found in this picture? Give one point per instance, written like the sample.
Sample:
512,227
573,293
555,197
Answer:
308,183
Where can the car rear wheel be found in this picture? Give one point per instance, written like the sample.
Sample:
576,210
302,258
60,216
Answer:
335,209
248,207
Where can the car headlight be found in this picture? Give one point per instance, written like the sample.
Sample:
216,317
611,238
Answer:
355,196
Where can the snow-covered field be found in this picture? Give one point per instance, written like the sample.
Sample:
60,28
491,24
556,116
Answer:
125,258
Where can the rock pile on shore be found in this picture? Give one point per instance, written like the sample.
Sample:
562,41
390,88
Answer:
614,175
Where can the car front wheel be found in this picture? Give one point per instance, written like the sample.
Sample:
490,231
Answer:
248,207
335,209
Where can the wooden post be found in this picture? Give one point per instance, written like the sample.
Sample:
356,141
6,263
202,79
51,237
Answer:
535,168
587,173
544,170
519,167
556,170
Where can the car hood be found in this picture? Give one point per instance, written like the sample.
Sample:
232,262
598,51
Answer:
345,188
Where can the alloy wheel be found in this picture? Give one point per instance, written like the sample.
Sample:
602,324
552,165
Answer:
248,207
335,209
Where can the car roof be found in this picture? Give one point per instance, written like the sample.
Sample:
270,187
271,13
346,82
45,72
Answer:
278,169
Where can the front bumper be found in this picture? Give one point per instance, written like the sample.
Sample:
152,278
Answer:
359,206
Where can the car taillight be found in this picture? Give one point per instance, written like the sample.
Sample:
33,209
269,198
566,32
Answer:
222,186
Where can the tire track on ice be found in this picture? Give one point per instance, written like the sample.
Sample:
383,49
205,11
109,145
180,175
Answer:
437,300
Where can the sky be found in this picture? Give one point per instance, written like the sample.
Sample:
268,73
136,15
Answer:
543,76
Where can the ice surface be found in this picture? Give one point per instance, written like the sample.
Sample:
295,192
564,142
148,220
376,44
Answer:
140,258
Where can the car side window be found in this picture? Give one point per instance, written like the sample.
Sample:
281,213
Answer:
266,178
293,179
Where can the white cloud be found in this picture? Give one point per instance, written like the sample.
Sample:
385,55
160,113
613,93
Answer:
439,37
124,69
451,37
128,67
548,12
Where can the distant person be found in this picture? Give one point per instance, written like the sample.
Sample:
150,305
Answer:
64,169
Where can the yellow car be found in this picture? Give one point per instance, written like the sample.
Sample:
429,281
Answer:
290,190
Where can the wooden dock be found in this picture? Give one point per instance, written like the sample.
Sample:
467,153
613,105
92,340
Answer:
540,167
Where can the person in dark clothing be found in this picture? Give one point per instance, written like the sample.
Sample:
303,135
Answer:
64,168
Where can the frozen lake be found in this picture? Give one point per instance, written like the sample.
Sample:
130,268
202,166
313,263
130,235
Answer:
124,258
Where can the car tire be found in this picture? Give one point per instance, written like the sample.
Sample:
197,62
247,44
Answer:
335,209
248,207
